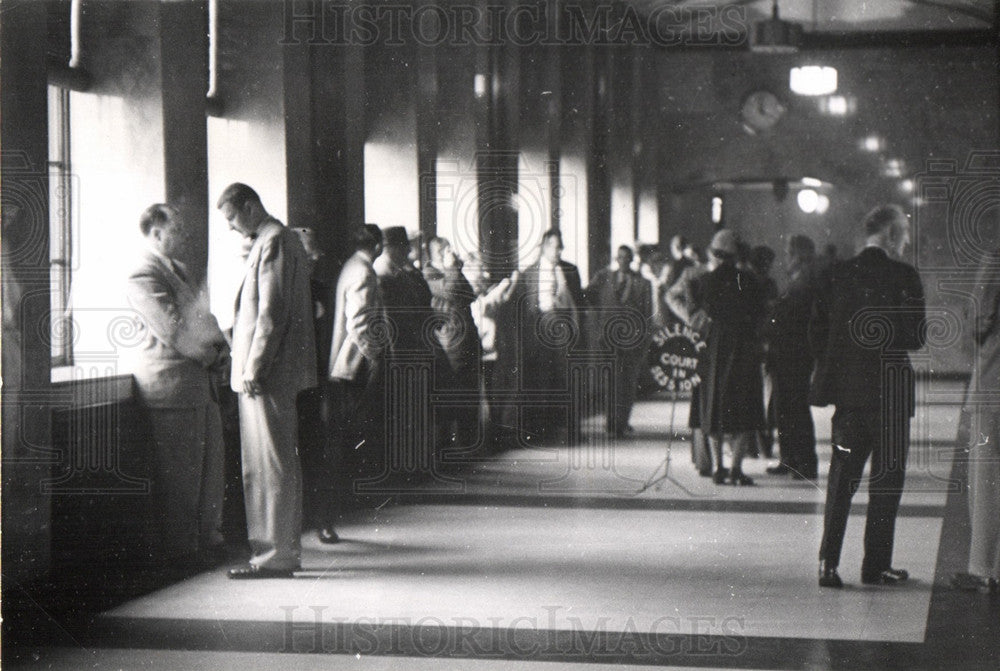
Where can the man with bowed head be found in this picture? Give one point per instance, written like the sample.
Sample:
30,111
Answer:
274,358
866,373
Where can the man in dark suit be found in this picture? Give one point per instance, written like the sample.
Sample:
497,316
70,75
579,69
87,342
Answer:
541,323
182,346
623,301
407,300
790,364
869,312
274,358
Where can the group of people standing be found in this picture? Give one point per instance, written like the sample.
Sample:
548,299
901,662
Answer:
453,361
838,335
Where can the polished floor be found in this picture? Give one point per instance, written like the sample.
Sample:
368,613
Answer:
553,558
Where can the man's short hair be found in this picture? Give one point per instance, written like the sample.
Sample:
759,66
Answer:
238,194
802,247
154,215
883,218
369,236
552,233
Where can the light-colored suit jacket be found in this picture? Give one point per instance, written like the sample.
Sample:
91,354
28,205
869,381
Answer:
358,321
273,338
181,339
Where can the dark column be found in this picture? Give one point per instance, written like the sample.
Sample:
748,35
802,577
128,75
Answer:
25,278
496,156
324,135
598,169
427,138
185,132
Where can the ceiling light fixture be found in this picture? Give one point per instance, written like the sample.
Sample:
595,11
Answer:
813,80
872,143
808,200
774,36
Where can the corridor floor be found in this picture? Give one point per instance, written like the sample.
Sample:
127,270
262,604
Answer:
553,558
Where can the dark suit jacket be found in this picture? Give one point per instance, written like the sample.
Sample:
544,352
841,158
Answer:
786,330
527,286
869,311
524,359
615,295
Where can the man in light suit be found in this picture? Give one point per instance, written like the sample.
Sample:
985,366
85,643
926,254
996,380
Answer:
623,298
358,350
181,347
867,314
274,358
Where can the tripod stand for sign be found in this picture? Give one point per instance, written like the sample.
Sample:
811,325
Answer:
656,478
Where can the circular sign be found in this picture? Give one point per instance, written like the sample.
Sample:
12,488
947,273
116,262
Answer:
673,357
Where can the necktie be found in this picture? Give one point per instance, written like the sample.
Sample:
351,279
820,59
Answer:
179,269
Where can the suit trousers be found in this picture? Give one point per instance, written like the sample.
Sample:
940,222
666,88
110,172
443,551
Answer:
984,497
272,479
188,478
858,433
625,384
796,431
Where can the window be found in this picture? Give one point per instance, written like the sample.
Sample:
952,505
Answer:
61,214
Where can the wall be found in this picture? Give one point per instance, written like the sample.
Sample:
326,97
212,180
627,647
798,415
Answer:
27,393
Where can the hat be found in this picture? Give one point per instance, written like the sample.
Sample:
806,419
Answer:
395,235
724,242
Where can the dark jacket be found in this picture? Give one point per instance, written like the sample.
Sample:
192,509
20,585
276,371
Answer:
622,303
786,331
869,311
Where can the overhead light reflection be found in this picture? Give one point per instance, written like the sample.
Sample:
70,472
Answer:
872,143
822,204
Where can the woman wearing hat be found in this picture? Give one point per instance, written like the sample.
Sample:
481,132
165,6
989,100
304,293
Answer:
731,302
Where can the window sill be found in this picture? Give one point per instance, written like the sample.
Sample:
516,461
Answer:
88,388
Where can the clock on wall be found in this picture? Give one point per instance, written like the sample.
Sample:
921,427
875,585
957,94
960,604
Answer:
761,111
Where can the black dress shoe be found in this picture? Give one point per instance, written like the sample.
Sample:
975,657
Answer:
828,576
780,469
328,536
890,576
719,477
254,572
740,480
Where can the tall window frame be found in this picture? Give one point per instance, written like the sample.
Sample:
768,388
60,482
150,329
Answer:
61,215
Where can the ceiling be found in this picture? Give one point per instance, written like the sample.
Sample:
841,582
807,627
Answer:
834,16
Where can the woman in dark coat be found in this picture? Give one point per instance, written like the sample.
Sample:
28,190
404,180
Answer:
732,403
